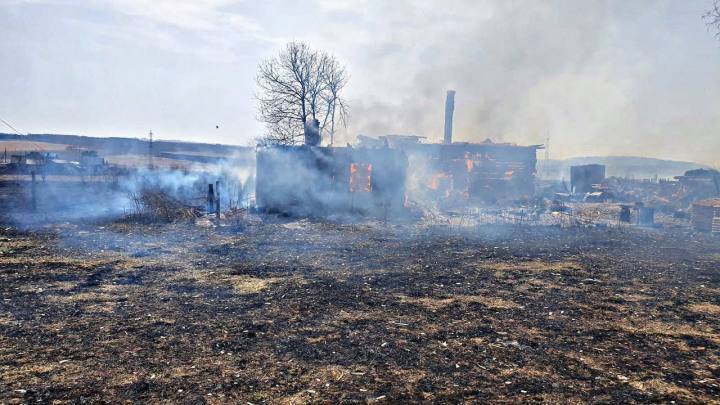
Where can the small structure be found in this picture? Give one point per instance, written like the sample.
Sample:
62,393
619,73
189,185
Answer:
582,178
91,163
625,213
706,215
698,184
646,216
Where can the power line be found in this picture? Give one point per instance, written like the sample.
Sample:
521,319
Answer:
11,127
35,145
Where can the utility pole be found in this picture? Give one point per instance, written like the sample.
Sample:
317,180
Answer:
150,151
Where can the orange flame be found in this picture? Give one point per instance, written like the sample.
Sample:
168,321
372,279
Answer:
360,177
436,179
468,162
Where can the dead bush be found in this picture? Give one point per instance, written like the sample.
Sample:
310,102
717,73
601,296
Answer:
152,205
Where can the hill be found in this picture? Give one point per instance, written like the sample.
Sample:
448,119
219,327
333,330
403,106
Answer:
619,166
118,145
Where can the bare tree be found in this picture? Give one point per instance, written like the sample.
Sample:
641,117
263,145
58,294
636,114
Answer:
298,86
712,18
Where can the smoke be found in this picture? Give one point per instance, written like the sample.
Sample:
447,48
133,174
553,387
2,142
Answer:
330,182
625,78
110,197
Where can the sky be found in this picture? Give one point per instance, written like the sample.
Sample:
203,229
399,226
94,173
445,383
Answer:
637,77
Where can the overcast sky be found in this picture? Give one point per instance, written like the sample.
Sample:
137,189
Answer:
597,77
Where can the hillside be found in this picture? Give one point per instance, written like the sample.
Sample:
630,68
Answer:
116,146
619,166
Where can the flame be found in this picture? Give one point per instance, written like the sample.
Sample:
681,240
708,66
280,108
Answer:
436,179
360,176
509,173
441,181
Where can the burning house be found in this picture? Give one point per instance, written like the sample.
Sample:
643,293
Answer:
458,172
479,172
311,180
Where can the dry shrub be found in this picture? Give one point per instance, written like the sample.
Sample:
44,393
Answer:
153,205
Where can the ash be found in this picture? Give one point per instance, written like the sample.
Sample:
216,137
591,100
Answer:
263,309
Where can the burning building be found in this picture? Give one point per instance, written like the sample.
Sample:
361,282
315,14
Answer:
315,181
458,172
482,172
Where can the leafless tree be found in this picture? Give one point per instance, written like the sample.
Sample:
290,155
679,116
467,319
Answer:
299,85
712,18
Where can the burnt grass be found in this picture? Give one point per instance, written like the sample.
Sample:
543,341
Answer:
303,311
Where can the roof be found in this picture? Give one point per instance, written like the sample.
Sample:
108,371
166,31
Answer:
710,202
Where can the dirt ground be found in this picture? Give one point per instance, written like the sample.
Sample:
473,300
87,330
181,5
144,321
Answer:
300,311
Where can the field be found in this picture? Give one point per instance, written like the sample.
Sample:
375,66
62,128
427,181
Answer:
29,146
300,311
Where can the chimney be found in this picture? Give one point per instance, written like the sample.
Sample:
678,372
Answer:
449,110
312,132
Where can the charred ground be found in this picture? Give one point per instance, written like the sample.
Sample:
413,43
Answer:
306,311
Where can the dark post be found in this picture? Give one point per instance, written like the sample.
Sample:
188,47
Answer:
217,198
625,213
33,191
210,198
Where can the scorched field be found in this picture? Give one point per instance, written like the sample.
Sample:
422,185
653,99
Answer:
302,311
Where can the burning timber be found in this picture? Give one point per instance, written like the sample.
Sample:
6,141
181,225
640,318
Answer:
311,180
461,172
486,172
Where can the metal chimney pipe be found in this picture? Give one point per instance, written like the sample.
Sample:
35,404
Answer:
449,110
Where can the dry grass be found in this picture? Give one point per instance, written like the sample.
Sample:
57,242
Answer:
438,303
660,387
159,162
251,285
666,329
705,308
533,266
27,146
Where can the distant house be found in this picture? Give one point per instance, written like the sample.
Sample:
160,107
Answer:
91,163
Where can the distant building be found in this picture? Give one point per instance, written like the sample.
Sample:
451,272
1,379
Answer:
582,178
91,163
700,183
706,215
